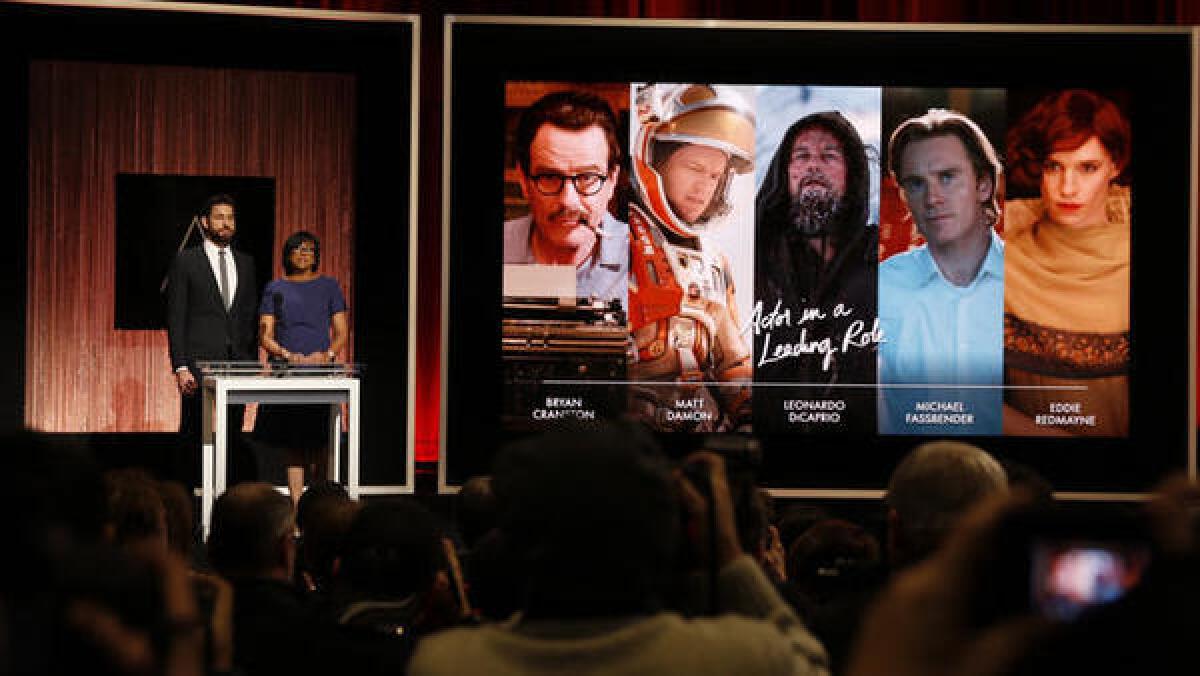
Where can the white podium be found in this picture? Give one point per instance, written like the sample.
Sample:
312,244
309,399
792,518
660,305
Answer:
226,383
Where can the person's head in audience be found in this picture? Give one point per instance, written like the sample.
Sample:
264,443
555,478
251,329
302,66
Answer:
930,489
592,518
325,524
1029,480
70,602
830,557
317,493
137,517
941,615
252,533
495,577
795,519
53,485
753,514
391,584
52,505
392,550
179,512
323,514
476,509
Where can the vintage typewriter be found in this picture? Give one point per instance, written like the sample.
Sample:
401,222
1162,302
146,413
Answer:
563,359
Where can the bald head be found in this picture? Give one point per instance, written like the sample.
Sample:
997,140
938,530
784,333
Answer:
251,536
931,488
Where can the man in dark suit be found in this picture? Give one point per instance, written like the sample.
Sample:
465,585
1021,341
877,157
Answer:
212,304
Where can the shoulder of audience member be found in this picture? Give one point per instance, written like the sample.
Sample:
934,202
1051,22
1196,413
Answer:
733,644
664,643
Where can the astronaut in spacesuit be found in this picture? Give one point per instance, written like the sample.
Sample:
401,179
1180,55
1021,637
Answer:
692,362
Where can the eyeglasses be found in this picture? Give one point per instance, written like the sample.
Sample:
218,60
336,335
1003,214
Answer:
587,184
304,250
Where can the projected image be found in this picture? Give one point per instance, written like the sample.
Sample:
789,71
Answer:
816,260
824,249
566,254
692,275
941,277
814,321
1066,295
567,151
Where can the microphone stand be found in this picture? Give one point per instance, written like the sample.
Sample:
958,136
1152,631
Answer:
186,236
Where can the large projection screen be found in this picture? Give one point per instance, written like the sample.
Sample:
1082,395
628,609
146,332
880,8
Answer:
122,118
1019,275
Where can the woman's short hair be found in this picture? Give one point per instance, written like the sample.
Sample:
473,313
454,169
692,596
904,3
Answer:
1062,121
294,242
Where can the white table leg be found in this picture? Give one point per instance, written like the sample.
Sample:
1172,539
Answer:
221,411
352,449
206,459
335,442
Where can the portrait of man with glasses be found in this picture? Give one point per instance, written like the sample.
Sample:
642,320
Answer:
568,157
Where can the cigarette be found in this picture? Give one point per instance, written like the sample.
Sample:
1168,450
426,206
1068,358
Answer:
594,228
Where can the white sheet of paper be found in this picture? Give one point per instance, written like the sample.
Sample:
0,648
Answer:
539,281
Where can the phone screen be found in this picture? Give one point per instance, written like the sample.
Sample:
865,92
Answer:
1070,577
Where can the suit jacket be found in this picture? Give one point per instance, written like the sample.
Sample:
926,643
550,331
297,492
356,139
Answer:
198,326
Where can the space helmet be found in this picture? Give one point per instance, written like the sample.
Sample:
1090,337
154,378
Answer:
702,114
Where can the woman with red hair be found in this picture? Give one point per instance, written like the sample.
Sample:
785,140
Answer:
1066,294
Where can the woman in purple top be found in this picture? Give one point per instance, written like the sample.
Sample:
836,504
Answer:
302,320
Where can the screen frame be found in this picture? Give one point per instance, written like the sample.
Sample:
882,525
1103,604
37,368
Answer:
524,33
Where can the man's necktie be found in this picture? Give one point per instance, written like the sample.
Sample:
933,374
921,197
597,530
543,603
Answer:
225,295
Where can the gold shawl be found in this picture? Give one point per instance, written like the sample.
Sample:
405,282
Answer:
1068,278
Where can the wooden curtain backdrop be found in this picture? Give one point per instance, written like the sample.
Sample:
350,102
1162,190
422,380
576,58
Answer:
90,121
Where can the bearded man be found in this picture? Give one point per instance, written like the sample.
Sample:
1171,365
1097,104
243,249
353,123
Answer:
817,258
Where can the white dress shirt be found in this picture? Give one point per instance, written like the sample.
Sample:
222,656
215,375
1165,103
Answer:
936,335
214,261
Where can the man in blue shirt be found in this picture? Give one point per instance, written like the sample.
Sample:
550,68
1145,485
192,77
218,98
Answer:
569,157
941,305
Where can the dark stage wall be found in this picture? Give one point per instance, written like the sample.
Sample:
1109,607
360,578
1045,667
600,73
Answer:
89,122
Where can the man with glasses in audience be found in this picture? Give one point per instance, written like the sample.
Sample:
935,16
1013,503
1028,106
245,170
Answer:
569,156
